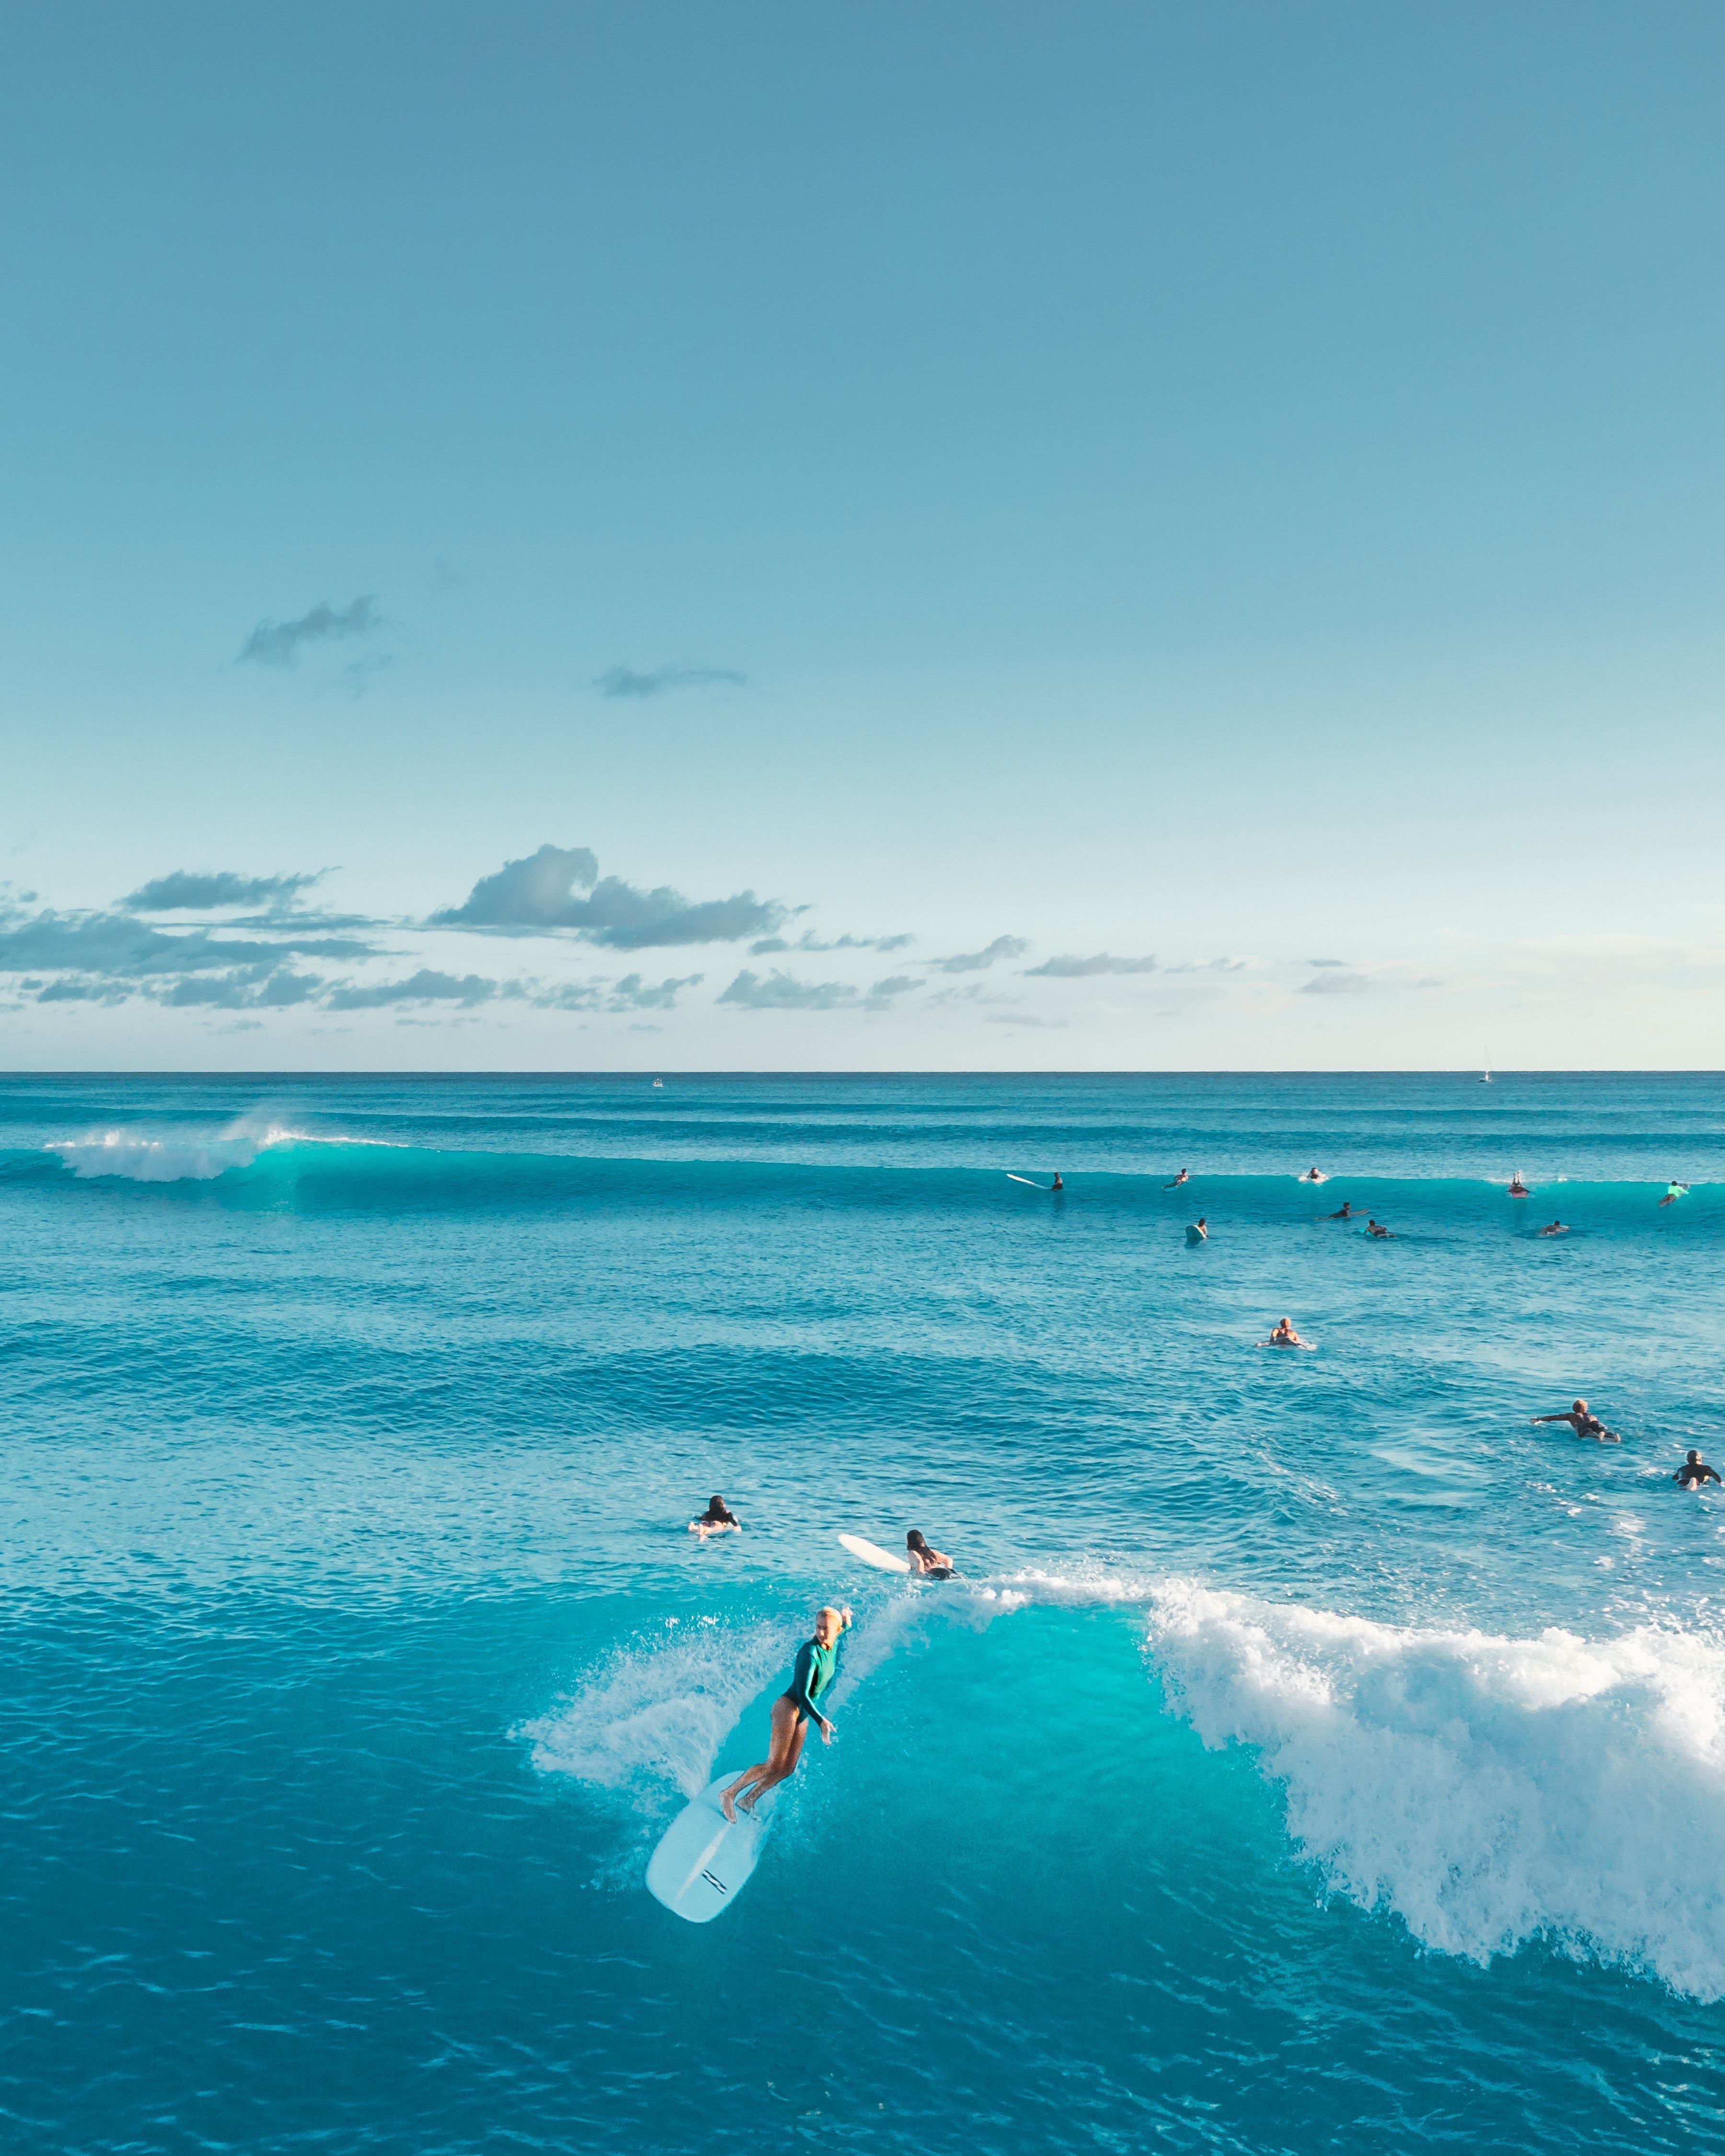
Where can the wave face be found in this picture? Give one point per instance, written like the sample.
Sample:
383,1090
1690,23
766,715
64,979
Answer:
1314,1753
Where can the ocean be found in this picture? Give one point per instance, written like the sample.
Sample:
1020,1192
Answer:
1314,1755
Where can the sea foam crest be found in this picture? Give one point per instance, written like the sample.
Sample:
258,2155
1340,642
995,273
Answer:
647,1716
144,1154
1489,1790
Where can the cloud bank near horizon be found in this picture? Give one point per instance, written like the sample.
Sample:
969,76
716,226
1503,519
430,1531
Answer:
536,896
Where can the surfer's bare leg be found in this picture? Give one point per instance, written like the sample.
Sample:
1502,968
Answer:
787,1750
781,1766
787,1738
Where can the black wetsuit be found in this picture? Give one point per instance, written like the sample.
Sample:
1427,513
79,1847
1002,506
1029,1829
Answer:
1694,1472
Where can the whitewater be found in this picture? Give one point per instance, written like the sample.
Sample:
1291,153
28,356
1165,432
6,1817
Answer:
1315,1753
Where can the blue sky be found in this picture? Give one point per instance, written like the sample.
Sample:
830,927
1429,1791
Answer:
1232,486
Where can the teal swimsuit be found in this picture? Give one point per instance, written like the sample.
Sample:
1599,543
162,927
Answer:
813,1674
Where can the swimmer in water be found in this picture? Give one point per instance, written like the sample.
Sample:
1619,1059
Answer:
1673,1192
1178,1180
1285,1335
1347,1213
718,1519
1057,1184
1376,1227
1314,1175
1556,1228
816,1658
1582,1420
1695,1473
930,1564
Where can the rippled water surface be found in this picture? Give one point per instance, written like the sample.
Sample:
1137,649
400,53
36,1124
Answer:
1314,1755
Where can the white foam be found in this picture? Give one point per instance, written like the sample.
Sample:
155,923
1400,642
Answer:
1489,1790
146,1155
652,1717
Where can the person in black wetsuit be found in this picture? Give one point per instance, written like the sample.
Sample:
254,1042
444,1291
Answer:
1695,1473
1582,1420
1347,1213
1057,1184
718,1519
816,1660
930,1564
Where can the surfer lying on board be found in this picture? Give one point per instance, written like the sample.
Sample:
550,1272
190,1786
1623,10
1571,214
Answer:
1314,1175
1695,1473
1345,1214
931,1563
791,1711
1376,1227
1556,1228
1673,1193
1517,1188
1178,1180
1285,1335
718,1519
1582,1420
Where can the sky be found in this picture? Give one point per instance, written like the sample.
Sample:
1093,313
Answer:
950,534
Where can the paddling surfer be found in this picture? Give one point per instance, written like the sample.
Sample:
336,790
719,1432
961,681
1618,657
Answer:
1695,1474
930,1564
816,1658
1284,1335
1582,1420
718,1519
1347,1213
1178,1180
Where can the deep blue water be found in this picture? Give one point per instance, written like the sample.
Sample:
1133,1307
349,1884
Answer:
1314,1757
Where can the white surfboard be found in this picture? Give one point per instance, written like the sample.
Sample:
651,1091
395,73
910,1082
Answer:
1011,1178
872,1553
703,1860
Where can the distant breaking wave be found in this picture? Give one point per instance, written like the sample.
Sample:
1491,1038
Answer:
144,1155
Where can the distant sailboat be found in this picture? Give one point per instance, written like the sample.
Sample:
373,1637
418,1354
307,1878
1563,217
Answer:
1485,1075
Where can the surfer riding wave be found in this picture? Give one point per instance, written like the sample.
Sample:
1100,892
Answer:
816,1658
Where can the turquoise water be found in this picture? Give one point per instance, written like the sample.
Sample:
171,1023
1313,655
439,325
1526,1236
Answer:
1314,1756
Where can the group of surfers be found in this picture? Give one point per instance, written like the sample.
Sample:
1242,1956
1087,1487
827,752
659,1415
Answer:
920,1557
817,1658
817,1661
1199,1231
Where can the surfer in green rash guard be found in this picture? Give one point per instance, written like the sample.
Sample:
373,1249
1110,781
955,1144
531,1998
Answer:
816,1658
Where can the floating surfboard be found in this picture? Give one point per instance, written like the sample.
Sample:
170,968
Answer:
703,1860
872,1553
